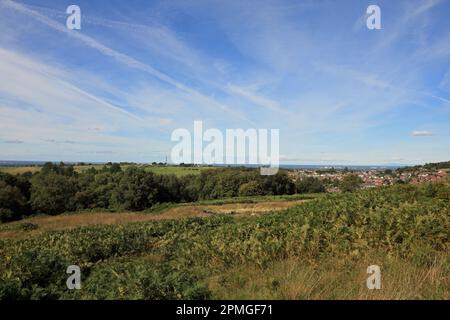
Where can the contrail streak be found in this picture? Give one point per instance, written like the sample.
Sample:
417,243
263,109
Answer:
118,56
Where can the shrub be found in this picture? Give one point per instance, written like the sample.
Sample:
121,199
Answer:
141,280
40,274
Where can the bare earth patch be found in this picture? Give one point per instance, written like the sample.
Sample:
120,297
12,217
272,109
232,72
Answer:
13,230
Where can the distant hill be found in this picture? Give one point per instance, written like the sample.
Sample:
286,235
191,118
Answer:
438,165
429,166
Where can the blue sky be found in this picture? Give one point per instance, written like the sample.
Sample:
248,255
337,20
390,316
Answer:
116,89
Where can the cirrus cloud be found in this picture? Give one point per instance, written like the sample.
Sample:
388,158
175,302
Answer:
422,133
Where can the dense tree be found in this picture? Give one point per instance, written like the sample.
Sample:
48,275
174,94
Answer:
60,168
114,168
136,190
278,184
13,203
85,197
251,188
103,187
350,183
53,193
169,188
58,188
22,182
190,188
309,185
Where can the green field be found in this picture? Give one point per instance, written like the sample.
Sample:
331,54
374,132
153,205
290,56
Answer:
176,170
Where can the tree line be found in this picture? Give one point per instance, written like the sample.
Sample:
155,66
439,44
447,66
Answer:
58,188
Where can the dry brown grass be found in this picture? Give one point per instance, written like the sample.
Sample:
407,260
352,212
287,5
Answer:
19,170
251,208
336,278
13,230
22,169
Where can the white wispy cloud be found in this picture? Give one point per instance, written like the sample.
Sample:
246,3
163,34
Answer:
263,64
255,98
19,67
366,78
118,56
37,106
422,133
418,8
440,98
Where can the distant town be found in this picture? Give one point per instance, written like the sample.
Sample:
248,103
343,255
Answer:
331,178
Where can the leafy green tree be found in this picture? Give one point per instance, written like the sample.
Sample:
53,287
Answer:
309,185
190,188
169,188
60,168
13,203
53,193
85,196
103,187
115,167
278,184
350,183
136,190
22,182
8,178
252,188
